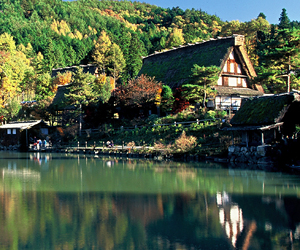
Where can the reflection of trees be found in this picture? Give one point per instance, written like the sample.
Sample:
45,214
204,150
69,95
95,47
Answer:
72,204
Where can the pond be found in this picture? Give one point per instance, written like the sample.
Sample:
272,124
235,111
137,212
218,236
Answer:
58,201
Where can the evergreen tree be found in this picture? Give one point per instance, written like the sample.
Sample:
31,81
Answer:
284,21
278,53
137,50
202,79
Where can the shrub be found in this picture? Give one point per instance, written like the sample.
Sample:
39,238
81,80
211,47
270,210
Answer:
184,143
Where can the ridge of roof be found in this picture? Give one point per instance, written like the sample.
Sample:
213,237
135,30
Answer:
233,37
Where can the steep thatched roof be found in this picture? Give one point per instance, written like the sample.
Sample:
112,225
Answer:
173,67
59,101
268,110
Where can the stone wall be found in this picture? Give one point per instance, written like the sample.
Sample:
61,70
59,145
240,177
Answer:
253,155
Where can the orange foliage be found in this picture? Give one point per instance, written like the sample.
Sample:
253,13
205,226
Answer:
61,79
138,91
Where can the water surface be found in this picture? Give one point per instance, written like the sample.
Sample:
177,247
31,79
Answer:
57,201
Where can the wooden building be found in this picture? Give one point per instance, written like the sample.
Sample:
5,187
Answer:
267,119
20,133
173,68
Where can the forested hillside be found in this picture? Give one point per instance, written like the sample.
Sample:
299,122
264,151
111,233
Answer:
39,35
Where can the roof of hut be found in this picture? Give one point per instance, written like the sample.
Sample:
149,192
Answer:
173,67
23,125
59,101
267,110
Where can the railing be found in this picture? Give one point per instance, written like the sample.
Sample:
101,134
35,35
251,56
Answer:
185,124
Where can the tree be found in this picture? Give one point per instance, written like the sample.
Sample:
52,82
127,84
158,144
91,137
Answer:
138,92
137,50
61,79
167,99
284,21
175,39
103,87
117,62
202,79
101,53
278,53
80,90
262,15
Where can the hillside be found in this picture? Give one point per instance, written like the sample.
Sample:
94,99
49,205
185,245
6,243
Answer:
64,32
37,36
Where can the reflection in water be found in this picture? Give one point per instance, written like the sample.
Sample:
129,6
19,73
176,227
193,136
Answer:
75,202
231,217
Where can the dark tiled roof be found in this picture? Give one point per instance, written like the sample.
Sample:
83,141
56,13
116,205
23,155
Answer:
266,110
228,91
173,67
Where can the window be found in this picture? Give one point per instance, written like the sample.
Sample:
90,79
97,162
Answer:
244,83
44,131
239,69
14,131
232,67
9,131
220,81
225,67
232,82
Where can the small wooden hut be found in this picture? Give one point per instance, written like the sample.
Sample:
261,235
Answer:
267,119
20,133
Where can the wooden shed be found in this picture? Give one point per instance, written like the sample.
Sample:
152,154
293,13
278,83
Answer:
21,133
267,119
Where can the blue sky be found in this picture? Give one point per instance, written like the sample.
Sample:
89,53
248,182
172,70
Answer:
241,10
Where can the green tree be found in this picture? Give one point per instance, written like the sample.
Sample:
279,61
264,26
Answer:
167,99
202,79
103,87
137,50
80,90
278,53
284,21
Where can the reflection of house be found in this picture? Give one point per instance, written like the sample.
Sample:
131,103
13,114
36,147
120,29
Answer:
19,133
173,68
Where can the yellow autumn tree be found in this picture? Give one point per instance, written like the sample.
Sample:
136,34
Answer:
15,68
101,53
61,79
175,38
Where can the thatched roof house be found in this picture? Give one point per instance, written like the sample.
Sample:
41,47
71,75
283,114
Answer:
276,113
173,67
